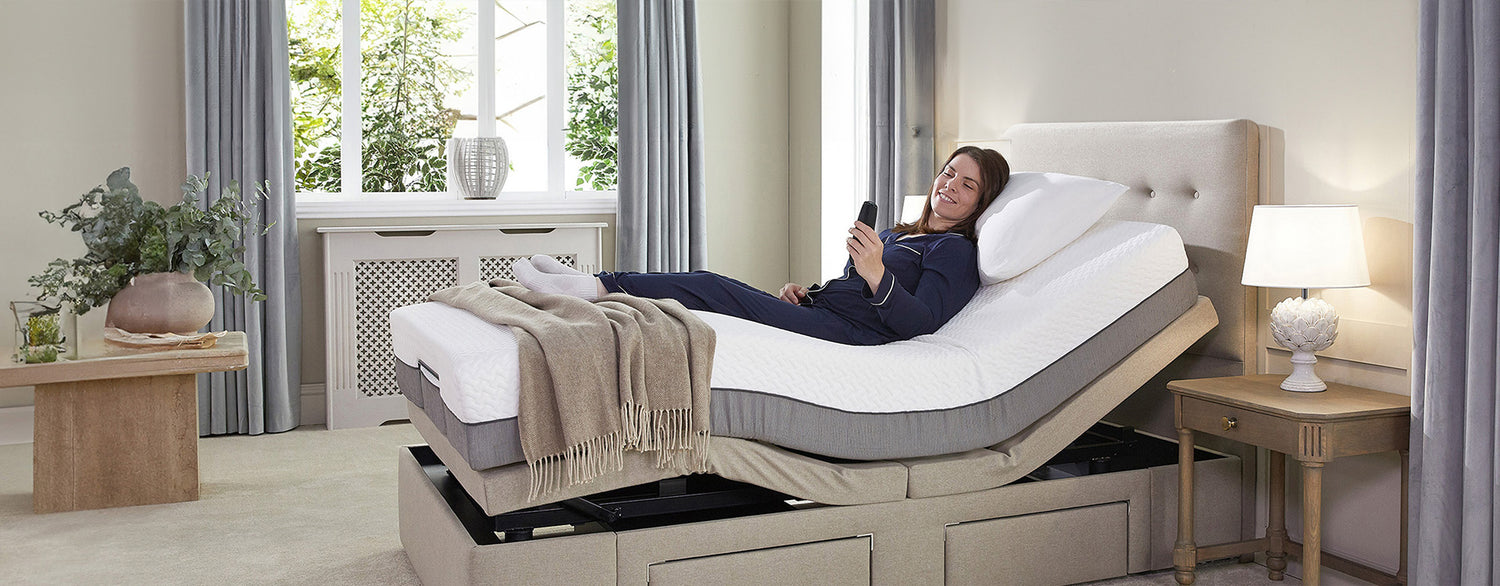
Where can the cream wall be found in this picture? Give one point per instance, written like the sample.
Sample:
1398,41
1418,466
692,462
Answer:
806,136
761,110
1335,80
90,86
742,50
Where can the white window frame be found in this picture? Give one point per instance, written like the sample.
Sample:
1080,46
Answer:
845,130
352,202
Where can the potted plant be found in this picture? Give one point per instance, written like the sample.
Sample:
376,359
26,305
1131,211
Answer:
150,262
39,336
42,339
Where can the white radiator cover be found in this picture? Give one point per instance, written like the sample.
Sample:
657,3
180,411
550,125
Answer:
369,271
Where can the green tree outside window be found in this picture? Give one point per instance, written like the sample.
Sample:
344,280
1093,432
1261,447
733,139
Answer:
593,135
404,79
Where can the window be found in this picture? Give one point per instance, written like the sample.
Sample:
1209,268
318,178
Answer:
379,86
845,129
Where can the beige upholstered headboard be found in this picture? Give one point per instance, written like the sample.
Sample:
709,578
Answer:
1200,177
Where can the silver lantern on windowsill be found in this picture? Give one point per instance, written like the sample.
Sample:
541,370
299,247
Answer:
479,166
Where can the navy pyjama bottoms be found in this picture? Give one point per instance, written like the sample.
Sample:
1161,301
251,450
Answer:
706,291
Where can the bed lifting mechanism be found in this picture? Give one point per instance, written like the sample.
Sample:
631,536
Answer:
703,497
699,497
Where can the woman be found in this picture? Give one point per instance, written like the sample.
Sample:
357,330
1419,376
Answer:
899,284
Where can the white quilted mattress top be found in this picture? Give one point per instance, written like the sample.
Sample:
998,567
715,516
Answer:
1007,333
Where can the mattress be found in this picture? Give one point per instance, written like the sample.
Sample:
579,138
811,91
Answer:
1015,352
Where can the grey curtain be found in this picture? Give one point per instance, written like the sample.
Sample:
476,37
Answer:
902,46
1454,512
661,220
239,127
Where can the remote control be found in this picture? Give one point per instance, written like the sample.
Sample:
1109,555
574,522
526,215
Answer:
867,213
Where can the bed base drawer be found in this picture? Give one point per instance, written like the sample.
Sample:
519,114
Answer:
836,562
1033,546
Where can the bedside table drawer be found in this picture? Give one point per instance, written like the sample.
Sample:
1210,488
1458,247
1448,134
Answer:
1246,426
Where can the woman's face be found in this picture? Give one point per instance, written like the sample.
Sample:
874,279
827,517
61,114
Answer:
955,192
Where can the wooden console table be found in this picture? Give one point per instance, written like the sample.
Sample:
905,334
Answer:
119,427
1312,428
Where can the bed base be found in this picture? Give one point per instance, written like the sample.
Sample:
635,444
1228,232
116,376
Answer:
1107,500
698,497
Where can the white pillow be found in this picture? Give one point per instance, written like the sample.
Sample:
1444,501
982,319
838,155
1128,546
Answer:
1035,216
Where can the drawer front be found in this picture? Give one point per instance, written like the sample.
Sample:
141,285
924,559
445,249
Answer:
835,562
1056,547
1250,427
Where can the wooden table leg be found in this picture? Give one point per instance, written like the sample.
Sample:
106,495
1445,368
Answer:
1312,522
115,442
1405,478
1185,555
1276,524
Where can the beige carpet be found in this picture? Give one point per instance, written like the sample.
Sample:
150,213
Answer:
1220,573
302,507
309,506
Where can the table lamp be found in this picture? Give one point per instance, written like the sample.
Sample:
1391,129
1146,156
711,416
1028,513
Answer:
911,208
1305,247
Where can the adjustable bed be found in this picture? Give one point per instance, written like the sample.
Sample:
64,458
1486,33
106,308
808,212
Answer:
983,473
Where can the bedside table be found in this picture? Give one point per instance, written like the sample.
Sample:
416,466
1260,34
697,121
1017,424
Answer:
1313,428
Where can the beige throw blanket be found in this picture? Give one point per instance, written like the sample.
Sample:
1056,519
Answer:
620,373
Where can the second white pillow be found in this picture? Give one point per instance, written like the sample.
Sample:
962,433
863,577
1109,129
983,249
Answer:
1035,216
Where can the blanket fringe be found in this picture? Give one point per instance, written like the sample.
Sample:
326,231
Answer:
657,429
668,432
579,463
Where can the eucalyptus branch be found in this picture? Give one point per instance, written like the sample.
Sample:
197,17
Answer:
126,236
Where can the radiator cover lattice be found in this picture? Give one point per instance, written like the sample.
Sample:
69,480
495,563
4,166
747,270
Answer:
379,287
498,267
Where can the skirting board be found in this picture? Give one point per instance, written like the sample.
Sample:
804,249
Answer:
17,424
314,404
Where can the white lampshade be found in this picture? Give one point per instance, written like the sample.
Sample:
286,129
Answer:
1306,247
911,208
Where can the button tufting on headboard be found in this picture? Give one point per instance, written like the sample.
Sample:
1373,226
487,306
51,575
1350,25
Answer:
1174,158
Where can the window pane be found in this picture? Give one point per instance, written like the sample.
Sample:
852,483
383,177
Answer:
413,74
463,99
313,31
521,90
593,79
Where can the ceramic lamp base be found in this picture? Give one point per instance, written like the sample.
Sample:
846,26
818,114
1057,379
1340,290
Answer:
1304,326
1303,379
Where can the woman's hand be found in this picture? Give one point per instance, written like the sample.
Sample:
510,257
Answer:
793,293
866,249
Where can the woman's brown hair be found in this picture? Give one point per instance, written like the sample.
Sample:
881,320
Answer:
994,173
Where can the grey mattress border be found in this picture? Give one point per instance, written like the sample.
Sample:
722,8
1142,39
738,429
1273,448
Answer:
826,431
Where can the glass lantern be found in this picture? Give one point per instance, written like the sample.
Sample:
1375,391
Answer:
43,334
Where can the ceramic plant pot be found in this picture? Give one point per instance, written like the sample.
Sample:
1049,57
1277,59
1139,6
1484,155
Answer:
161,303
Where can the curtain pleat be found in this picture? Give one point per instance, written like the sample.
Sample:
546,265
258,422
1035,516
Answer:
239,128
1453,513
886,113
901,68
660,224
